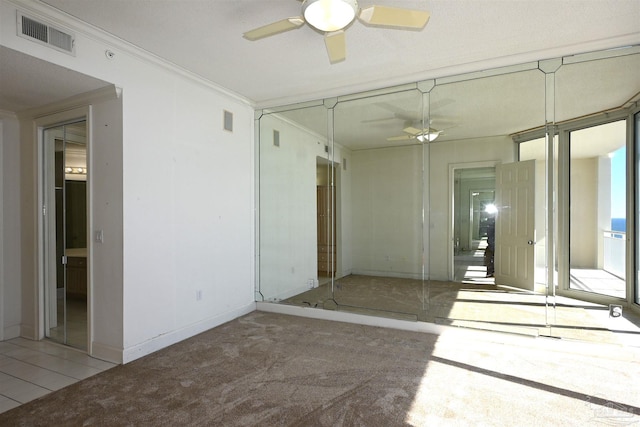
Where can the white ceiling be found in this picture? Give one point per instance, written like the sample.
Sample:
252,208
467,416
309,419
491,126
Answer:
205,36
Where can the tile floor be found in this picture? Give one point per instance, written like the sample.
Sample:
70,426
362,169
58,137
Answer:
31,369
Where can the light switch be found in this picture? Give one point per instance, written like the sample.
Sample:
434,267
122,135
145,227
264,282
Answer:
99,236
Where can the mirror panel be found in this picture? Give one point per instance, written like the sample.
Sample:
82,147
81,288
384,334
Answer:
358,214
293,154
469,282
381,181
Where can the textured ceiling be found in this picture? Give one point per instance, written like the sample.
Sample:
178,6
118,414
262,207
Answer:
206,38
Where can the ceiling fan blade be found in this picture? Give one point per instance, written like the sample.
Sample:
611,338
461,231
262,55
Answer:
401,138
336,46
274,28
413,131
394,17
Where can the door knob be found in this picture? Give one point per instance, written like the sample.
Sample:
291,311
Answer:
530,242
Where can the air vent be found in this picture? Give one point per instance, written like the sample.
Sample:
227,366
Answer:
45,34
60,40
276,138
228,121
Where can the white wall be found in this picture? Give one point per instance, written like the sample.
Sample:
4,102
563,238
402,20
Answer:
186,200
288,208
583,213
603,206
10,289
344,206
288,219
387,211
106,262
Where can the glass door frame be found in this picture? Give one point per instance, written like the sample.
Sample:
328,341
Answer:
564,158
39,126
633,209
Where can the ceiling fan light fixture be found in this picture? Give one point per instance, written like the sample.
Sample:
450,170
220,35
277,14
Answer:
329,15
431,136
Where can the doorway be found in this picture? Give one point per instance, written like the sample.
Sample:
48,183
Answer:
598,208
473,223
64,190
326,220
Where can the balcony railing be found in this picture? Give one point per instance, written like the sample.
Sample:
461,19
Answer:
615,252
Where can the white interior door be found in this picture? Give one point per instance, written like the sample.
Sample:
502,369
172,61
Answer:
515,224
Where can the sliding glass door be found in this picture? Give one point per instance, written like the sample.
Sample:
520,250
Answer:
598,209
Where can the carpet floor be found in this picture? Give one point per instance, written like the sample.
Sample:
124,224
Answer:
277,370
479,305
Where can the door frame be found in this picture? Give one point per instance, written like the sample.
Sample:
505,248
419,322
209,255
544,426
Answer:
39,125
450,232
564,220
633,208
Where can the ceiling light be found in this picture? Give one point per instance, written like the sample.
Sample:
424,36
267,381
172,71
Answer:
428,136
329,15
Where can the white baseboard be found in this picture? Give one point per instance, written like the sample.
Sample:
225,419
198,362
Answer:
288,294
360,319
11,332
28,331
135,352
106,352
395,274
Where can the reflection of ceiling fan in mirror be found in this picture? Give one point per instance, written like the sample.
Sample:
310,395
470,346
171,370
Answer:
332,16
422,135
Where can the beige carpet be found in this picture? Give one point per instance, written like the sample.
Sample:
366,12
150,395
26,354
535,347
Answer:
473,305
271,369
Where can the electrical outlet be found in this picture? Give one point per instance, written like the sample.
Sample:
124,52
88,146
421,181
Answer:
311,283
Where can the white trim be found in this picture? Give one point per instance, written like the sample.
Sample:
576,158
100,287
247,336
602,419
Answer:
10,332
154,344
491,72
382,273
449,72
359,319
2,281
28,331
43,11
287,294
39,124
8,114
106,352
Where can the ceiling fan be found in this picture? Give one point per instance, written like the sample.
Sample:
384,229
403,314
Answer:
423,135
332,16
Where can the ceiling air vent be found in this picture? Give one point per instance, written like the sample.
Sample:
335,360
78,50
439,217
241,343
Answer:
46,34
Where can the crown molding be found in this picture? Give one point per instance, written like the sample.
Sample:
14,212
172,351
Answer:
8,114
83,99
